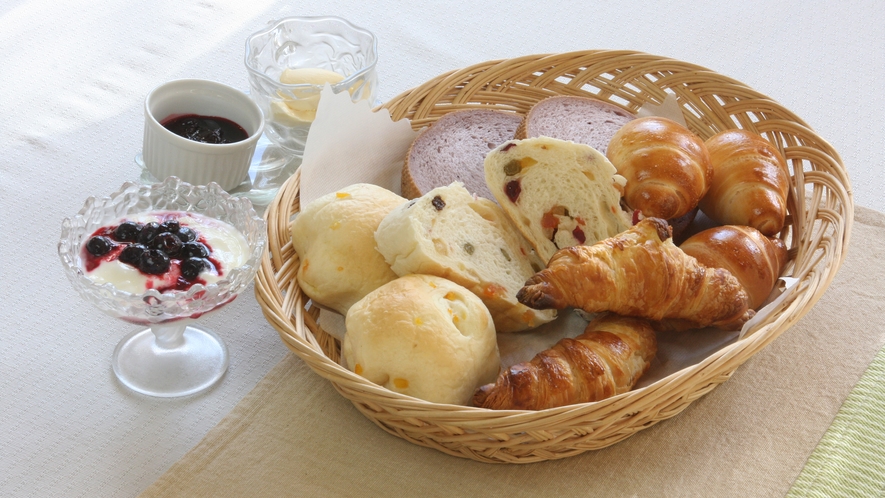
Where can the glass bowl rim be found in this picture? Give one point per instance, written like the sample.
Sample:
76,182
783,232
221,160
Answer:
69,253
341,85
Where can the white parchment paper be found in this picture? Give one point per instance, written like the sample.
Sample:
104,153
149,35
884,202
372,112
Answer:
348,143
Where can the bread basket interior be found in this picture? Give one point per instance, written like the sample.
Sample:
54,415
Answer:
820,214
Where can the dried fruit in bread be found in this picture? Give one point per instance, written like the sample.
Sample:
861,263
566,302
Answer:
557,193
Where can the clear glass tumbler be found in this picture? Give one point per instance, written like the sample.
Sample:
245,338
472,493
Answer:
301,51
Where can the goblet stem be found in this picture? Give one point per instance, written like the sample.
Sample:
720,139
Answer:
169,335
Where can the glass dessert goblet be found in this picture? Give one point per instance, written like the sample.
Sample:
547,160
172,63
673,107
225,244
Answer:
169,355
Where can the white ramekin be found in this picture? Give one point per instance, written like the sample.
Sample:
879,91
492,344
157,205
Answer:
167,154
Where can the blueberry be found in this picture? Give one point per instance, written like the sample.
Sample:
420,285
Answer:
191,267
186,234
193,250
127,231
148,233
154,262
99,245
172,226
131,255
168,243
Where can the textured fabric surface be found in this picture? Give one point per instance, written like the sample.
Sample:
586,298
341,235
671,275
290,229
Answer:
849,460
294,435
73,79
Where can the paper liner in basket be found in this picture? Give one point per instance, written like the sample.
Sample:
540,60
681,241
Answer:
348,143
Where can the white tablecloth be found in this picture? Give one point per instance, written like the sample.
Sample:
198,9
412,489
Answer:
73,77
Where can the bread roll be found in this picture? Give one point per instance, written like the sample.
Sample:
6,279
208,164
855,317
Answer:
667,167
750,182
755,260
640,273
557,193
334,237
453,149
607,359
581,120
423,336
452,234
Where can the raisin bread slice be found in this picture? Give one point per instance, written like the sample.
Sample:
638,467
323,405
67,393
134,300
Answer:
557,193
450,233
453,149
582,120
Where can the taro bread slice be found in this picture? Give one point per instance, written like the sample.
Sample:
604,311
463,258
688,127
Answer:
453,149
579,119
557,193
450,233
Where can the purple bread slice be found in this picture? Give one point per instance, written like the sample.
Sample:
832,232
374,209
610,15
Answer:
581,120
454,148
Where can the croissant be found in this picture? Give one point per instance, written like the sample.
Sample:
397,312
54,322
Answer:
754,259
667,167
606,359
639,272
750,182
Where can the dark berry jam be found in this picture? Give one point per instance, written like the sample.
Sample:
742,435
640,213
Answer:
205,129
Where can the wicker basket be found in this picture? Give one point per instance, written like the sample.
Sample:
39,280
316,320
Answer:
819,224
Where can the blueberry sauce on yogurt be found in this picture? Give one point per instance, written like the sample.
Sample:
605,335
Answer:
166,251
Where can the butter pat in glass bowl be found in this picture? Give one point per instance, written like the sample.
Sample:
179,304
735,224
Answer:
169,354
291,61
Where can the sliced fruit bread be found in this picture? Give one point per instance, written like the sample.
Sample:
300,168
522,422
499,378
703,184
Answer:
557,193
450,233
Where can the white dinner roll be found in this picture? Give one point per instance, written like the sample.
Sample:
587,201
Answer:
423,336
335,241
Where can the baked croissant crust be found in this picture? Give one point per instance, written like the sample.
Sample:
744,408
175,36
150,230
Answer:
605,360
667,167
754,259
640,272
750,183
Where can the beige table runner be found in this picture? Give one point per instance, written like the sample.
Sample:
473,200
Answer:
293,435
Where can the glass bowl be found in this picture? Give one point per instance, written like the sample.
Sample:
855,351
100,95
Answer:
324,43
172,356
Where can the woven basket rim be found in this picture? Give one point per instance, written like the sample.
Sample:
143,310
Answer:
284,308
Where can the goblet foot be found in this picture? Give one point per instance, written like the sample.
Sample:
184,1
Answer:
170,360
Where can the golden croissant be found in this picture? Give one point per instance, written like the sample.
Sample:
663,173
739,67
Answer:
640,272
750,184
607,359
754,259
667,167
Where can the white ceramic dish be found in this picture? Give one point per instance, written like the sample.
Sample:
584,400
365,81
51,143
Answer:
167,154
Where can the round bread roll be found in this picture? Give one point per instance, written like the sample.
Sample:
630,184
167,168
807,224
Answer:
423,336
667,167
335,238
751,182
755,260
